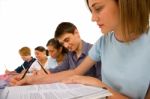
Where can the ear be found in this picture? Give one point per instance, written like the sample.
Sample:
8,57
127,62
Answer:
76,32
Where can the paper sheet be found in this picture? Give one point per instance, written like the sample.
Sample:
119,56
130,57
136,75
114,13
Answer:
55,91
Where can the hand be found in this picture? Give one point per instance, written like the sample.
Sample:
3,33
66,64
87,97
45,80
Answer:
17,80
7,72
14,79
86,80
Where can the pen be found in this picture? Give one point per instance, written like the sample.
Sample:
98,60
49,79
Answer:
42,67
25,73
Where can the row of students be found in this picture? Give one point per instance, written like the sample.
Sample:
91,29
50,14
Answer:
123,50
56,54
77,52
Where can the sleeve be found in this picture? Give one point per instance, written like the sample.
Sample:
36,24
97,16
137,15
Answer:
19,69
95,51
34,66
63,66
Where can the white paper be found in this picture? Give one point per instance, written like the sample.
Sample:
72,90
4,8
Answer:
54,91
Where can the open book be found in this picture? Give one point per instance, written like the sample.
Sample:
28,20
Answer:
54,91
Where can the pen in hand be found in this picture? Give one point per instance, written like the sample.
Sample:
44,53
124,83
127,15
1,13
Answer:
25,73
42,67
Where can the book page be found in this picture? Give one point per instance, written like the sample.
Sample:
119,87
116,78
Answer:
55,91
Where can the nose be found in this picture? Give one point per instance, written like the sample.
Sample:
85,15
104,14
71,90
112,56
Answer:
94,17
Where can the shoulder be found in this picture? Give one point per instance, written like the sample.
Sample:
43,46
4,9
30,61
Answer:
86,46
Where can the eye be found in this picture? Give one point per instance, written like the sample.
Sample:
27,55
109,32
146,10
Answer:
67,40
99,8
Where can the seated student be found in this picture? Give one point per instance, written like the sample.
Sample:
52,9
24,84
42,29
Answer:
25,54
41,59
56,52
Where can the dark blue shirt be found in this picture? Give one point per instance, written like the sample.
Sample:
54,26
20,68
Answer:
71,62
25,65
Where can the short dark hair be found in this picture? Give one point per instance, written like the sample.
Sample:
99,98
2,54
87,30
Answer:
64,27
40,48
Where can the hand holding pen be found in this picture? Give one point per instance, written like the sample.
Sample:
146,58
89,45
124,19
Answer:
29,67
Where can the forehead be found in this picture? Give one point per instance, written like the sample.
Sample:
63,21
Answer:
23,56
50,47
64,36
38,52
92,3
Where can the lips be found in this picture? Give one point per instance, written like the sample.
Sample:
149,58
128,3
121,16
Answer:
100,25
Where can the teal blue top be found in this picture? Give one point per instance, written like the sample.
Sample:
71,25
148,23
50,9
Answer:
125,66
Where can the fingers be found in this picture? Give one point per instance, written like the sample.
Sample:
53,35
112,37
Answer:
13,80
21,82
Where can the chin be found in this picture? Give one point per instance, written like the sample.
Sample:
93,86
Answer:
105,32
71,50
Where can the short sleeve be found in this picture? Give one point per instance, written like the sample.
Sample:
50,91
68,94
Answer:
95,51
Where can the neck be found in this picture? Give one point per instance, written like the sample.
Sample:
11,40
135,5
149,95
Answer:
29,59
127,38
79,49
59,59
120,37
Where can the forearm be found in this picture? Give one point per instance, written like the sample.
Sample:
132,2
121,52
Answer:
51,78
55,77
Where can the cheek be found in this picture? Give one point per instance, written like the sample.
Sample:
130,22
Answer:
111,21
38,56
113,18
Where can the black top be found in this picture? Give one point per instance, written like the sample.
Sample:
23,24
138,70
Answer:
25,65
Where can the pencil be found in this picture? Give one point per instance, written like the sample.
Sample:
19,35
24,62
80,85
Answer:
25,73
42,67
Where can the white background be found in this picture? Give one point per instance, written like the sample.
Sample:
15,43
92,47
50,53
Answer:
32,23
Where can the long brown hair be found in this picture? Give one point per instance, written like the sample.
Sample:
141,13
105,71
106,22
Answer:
134,16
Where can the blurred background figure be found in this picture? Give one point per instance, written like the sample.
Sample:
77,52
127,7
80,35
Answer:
25,54
56,53
41,59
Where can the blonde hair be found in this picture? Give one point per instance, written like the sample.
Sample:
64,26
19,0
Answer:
25,51
134,16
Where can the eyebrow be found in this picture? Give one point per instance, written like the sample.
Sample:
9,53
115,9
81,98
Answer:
66,39
95,4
